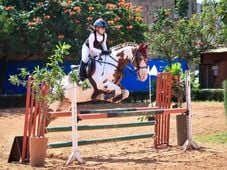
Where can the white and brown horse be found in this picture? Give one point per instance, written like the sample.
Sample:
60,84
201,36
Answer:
108,72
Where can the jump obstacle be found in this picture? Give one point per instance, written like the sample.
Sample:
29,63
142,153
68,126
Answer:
161,121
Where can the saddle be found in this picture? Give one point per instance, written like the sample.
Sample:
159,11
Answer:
86,71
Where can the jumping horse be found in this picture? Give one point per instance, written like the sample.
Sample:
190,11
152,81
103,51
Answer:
106,74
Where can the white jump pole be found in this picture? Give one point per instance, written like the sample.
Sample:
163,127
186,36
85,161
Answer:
75,155
189,143
152,72
150,103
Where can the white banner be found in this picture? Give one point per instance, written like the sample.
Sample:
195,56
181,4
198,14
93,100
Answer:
153,71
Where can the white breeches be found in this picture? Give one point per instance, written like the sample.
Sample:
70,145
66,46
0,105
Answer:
85,53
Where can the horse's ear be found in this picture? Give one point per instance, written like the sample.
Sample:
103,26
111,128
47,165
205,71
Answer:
146,45
141,46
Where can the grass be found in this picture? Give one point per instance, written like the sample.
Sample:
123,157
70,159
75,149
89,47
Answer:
220,138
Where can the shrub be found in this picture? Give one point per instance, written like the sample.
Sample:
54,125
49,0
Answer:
207,94
7,101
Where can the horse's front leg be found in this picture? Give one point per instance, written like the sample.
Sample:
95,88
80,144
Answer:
112,90
124,94
116,93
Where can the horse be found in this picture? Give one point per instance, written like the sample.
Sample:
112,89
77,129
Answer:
106,76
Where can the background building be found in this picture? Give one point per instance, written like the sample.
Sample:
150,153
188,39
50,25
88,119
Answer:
212,69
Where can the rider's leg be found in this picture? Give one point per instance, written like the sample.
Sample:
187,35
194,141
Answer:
83,62
82,71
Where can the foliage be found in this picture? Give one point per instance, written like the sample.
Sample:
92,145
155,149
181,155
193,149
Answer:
221,9
207,94
225,94
205,28
195,79
175,69
74,77
178,88
51,74
172,39
159,35
181,7
222,16
187,38
7,101
31,28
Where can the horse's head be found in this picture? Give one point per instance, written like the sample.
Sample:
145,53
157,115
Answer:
140,60
134,54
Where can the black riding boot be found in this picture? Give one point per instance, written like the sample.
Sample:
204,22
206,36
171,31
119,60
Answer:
82,71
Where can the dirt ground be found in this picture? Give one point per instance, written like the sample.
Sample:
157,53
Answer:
208,118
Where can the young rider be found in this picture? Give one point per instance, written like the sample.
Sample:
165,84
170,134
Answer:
94,46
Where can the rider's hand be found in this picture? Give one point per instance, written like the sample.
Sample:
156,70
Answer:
106,52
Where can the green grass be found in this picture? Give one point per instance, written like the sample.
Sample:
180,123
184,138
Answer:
220,138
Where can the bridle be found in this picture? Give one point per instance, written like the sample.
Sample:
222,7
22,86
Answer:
137,58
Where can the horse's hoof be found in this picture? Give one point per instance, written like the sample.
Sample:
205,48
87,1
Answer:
118,99
108,96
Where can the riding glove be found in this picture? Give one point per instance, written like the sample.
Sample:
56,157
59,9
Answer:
106,52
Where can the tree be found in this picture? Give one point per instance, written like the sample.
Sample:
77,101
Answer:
185,38
35,27
222,14
181,7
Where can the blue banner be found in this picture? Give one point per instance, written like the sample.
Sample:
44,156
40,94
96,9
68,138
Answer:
129,81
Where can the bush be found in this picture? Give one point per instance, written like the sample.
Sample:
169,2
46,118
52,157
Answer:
207,94
7,101
197,95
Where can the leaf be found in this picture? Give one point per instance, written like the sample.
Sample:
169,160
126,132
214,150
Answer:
14,80
24,73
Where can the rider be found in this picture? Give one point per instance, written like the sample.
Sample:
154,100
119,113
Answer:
94,46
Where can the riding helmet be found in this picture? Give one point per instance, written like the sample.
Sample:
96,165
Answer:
100,23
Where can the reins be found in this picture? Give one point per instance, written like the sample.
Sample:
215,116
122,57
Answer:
135,58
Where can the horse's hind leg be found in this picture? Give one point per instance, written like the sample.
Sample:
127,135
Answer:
125,93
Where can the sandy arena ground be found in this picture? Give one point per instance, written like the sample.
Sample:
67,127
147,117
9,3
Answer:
208,118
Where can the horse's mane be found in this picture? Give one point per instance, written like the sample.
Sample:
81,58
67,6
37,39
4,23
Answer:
119,46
